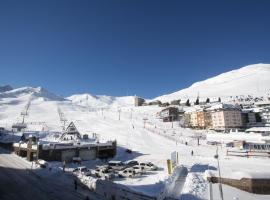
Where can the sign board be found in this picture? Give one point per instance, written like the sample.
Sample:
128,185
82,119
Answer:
174,159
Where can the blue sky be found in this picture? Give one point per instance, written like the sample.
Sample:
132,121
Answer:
128,47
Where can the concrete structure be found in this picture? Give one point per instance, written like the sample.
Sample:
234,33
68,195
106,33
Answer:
226,118
138,101
169,114
251,118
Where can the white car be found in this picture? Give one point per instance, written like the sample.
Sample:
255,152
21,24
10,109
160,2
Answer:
127,173
116,165
82,170
131,163
148,166
104,172
139,170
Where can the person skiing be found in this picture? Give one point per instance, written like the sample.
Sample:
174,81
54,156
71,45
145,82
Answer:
192,152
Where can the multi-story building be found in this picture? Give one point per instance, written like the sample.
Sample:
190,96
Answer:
226,118
201,119
139,101
169,114
251,117
265,115
193,119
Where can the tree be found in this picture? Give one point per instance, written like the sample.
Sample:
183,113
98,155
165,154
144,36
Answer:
187,103
197,101
207,100
219,99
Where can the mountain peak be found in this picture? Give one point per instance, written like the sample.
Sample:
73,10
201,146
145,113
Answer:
5,88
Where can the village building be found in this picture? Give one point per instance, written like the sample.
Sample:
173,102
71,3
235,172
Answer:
194,119
251,117
18,127
201,119
265,115
139,101
169,114
225,117
186,120
71,144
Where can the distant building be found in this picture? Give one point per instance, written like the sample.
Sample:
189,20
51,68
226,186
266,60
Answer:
186,120
138,101
152,103
225,118
262,104
70,145
169,114
251,118
19,127
265,115
194,119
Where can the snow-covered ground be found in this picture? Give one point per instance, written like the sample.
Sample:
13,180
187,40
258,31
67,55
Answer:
148,144
137,128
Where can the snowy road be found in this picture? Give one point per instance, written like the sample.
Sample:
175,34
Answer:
19,182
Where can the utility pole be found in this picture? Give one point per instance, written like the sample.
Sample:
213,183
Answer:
219,174
119,113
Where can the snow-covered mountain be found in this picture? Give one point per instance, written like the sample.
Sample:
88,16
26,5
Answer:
101,100
251,80
27,92
5,88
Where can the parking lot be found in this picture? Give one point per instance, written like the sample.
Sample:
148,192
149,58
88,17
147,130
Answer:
117,170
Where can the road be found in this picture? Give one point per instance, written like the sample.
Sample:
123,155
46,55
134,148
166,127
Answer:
18,181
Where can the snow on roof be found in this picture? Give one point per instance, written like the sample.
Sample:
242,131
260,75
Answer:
259,129
223,106
238,175
262,103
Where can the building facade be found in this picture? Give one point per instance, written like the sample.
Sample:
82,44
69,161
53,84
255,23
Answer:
226,118
265,116
169,114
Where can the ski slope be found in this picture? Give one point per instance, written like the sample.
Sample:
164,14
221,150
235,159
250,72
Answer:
251,80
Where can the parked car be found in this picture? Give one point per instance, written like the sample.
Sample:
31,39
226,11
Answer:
42,163
127,173
82,170
148,166
138,169
116,165
131,163
103,171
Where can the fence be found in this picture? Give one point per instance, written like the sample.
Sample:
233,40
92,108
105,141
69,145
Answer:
248,153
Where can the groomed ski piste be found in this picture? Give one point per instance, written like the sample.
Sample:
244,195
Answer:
139,129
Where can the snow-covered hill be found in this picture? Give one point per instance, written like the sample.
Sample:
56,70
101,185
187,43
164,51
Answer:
26,92
251,80
101,100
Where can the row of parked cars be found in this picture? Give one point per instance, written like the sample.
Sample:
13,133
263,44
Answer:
120,169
